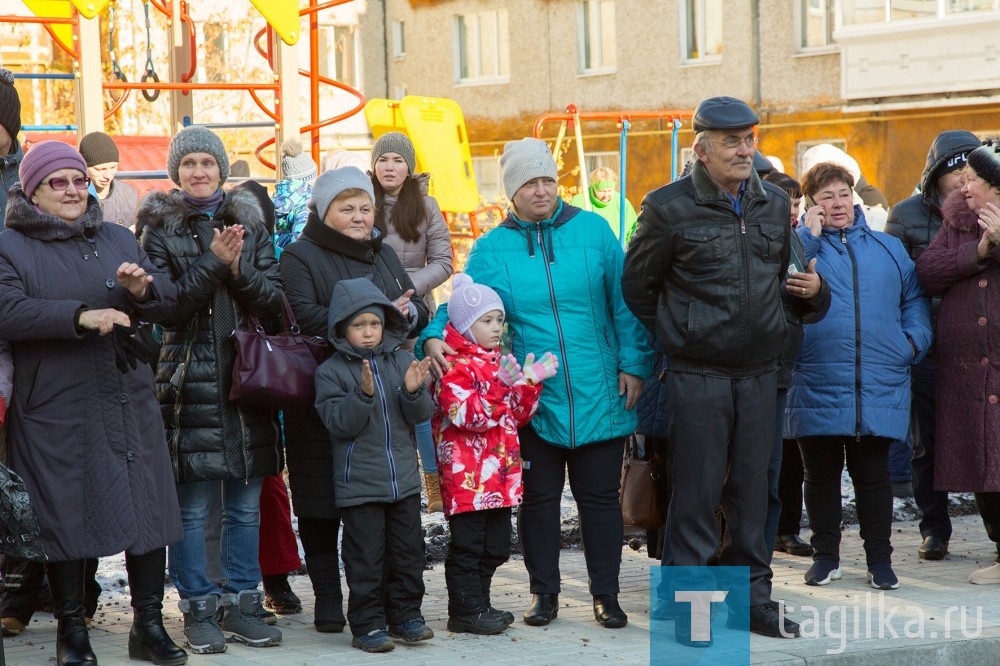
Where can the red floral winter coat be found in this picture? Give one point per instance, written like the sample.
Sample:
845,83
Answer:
475,423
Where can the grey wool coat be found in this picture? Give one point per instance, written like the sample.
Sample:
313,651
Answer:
87,438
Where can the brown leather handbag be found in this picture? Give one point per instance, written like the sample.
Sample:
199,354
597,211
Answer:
638,494
276,371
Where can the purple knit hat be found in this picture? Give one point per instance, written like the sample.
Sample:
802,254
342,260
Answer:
45,158
470,301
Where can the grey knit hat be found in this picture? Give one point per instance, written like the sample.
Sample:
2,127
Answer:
296,165
10,104
331,183
985,161
374,309
526,160
395,142
98,148
195,139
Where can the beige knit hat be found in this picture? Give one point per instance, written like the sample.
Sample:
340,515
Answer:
526,160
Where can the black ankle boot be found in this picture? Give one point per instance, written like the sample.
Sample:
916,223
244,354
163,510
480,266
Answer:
543,609
608,612
328,612
148,640
72,640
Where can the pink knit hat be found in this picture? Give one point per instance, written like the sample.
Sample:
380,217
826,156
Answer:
45,158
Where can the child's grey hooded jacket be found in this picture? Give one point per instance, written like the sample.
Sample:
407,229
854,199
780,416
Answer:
374,458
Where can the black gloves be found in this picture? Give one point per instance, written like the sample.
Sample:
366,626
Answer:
130,349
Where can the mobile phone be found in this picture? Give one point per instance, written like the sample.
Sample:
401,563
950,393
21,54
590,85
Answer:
795,264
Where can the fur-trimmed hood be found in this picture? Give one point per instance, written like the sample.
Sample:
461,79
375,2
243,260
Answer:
169,210
24,217
957,214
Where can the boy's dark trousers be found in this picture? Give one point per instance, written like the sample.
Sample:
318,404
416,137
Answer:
480,542
383,538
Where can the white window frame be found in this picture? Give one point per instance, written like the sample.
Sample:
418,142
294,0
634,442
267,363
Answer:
599,60
399,39
488,178
330,56
814,8
944,9
700,29
473,22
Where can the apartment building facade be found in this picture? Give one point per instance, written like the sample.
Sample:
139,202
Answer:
879,78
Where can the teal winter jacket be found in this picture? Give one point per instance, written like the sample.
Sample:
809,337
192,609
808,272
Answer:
560,281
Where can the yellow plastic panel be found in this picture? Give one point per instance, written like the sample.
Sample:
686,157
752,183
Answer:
90,8
283,16
55,9
437,128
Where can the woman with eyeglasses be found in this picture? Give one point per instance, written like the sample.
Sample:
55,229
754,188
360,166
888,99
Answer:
84,426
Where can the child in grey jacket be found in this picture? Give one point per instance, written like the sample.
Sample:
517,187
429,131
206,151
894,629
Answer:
369,395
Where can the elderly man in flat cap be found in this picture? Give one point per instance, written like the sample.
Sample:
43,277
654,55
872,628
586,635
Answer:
704,273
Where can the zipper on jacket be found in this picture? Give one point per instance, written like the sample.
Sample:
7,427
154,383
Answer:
562,341
377,376
747,315
857,339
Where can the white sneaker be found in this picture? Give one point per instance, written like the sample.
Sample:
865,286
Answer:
988,576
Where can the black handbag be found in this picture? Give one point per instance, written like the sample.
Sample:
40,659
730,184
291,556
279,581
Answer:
19,533
276,371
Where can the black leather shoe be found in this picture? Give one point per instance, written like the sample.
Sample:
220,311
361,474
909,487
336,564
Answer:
793,544
933,548
766,620
543,609
149,641
73,643
608,612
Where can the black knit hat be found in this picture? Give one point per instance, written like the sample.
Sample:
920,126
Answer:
10,104
985,161
98,148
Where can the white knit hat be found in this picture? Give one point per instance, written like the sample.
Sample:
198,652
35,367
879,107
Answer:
470,301
296,165
526,160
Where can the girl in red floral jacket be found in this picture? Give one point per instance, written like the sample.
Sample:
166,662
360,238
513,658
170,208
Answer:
481,401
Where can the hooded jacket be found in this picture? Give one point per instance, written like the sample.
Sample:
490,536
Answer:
852,377
10,166
475,429
217,439
87,438
706,280
560,282
374,458
610,211
967,385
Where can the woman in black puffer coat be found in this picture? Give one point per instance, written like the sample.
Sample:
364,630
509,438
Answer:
216,248
311,267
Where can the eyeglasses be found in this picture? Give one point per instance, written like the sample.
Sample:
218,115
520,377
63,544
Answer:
732,142
61,184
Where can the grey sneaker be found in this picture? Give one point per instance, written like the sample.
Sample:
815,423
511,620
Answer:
201,624
244,622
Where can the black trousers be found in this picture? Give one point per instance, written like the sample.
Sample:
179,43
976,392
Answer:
480,542
24,580
594,478
933,504
868,465
722,433
989,510
790,488
383,544
320,536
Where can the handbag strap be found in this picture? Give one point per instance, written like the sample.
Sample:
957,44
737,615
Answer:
288,321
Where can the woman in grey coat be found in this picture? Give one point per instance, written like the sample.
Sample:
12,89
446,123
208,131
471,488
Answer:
84,428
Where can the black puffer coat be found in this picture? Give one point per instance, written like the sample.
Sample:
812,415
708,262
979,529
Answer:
218,439
310,268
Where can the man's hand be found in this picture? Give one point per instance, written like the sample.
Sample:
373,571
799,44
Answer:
804,285
629,386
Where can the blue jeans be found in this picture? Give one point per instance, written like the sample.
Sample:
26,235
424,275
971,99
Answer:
425,447
774,474
239,544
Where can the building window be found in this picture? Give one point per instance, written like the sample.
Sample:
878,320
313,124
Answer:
487,170
596,31
398,39
608,159
815,24
862,12
340,45
701,30
481,42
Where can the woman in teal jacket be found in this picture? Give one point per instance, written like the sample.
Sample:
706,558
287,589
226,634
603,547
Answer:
558,270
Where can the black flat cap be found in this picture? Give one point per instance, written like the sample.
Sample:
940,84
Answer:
718,113
761,164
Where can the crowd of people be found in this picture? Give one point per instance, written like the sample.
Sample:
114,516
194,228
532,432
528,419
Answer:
728,305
